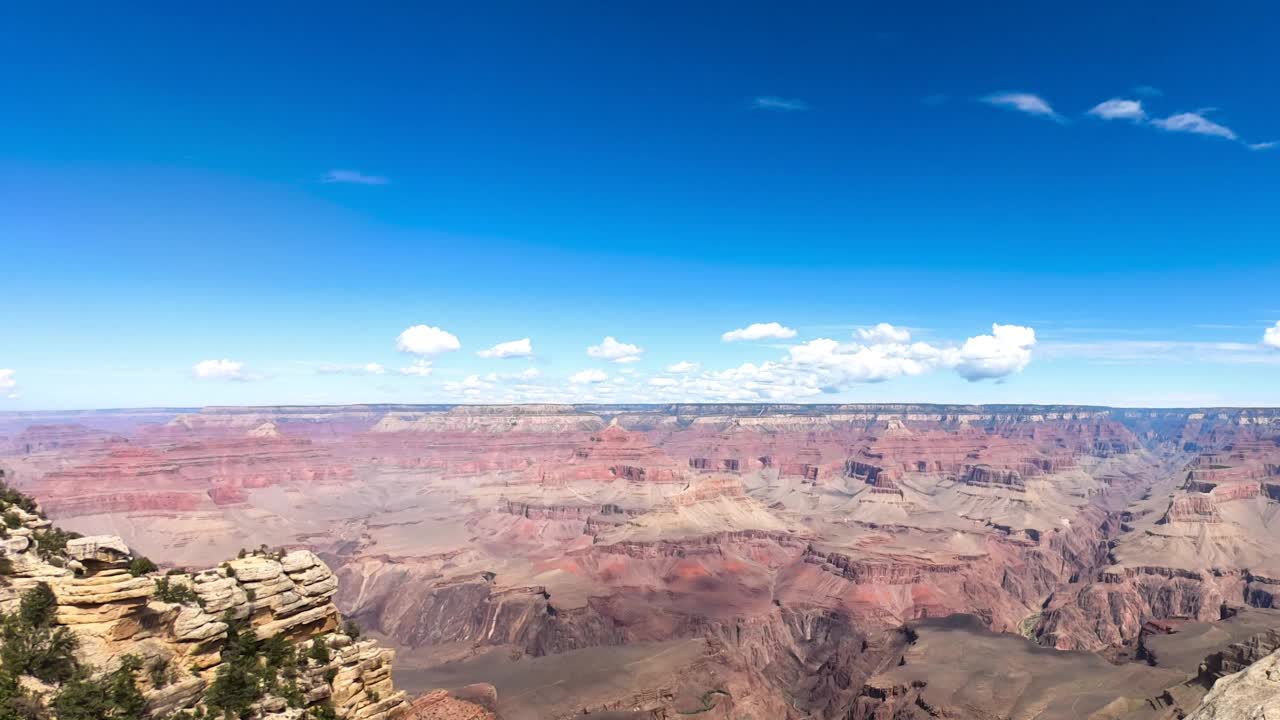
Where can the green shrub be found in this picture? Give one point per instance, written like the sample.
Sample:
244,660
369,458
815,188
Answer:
279,654
319,651
31,645
16,703
237,685
11,520
172,592
44,654
37,606
140,566
54,542
292,694
114,696
351,629
161,673
10,496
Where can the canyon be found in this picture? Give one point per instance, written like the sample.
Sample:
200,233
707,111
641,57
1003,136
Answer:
724,561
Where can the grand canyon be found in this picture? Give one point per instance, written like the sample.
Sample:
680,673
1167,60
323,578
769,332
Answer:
853,562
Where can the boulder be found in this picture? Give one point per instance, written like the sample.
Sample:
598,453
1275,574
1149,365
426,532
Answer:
98,548
299,560
254,568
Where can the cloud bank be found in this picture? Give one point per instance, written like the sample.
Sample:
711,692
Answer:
876,354
883,333
759,331
1128,109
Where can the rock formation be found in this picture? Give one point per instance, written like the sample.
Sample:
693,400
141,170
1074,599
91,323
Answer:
729,561
187,632
1251,694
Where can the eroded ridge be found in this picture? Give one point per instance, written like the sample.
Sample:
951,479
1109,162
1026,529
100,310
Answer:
729,561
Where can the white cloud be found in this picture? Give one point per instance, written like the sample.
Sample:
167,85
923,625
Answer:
824,366
1023,102
8,383
224,369
759,331
1194,122
840,363
1264,145
353,177
512,349
611,349
684,366
426,340
884,333
420,368
588,376
1271,337
340,369
772,102
1007,350
470,385
1119,109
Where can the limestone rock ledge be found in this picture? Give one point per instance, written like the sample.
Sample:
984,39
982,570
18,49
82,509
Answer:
1251,694
114,614
474,702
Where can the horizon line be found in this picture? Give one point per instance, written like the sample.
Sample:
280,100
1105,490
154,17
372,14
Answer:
624,405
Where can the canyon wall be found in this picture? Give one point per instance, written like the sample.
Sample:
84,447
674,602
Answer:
788,544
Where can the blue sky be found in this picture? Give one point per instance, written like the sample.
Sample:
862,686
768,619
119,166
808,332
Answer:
243,205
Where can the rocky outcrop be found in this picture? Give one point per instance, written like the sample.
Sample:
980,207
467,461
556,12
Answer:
179,625
986,476
1251,694
475,611
474,702
1192,508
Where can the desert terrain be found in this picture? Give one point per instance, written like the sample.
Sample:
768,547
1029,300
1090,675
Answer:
750,561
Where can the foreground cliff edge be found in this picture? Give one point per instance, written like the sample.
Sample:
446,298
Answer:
90,631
